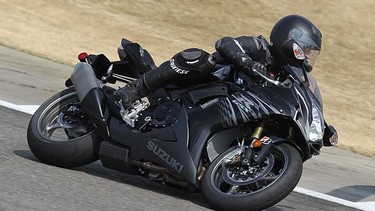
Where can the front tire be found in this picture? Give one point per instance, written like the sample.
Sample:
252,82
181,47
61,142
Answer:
61,134
254,187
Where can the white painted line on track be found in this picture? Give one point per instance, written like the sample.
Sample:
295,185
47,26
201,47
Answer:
29,109
365,206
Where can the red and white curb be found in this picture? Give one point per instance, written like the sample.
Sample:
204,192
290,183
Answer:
365,206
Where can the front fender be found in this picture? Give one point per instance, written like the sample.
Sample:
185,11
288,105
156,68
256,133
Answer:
221,141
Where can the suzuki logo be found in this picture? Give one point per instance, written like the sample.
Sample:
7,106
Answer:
164,156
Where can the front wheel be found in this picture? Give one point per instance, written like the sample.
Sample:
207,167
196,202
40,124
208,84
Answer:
231,185
61,134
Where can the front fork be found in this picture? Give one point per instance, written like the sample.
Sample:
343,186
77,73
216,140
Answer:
259,147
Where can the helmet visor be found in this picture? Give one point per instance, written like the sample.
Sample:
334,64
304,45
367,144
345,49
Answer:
305,52
312,56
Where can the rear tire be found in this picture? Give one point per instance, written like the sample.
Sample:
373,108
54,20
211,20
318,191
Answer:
82,142
260,194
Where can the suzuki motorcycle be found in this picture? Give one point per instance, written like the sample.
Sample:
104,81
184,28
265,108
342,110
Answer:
241,143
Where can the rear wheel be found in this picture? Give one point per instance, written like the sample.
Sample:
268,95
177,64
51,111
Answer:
61,134
231,185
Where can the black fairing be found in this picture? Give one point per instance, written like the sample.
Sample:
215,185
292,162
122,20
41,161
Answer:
241,108
179,146
194,119
165,146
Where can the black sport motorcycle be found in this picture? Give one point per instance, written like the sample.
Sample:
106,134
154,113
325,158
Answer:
241,143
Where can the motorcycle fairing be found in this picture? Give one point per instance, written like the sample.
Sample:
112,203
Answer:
183,143
173,144
248,106
165,146
238,109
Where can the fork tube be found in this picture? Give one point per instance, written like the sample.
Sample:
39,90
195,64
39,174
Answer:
256,135
258,130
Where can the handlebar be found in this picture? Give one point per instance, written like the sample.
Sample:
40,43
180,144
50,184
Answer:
112,74
220,62
274,82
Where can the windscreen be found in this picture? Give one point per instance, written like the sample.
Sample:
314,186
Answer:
297,74
313,86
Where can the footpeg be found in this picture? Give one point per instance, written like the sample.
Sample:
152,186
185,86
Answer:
130,116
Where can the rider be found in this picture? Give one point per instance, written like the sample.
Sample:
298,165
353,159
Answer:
294,41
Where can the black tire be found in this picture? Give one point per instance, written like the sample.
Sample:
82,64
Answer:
263,198
77,150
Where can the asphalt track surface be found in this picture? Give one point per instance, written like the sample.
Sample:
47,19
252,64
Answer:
27,184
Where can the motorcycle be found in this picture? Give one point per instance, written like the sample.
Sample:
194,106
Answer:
241,143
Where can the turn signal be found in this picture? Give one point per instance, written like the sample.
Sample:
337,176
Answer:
334,139
256,143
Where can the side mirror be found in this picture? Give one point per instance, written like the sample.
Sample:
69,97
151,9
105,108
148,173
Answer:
330,137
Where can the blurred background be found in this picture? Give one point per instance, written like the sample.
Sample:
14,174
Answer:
60,29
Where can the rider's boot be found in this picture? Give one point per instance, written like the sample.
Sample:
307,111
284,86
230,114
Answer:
131,92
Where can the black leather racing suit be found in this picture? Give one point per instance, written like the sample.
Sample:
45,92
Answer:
194,66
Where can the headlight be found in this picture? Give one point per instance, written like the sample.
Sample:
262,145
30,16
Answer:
316,127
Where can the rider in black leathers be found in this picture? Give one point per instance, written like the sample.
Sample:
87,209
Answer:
294,40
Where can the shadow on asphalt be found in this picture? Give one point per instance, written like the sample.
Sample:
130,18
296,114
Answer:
96,169
357,192
26,154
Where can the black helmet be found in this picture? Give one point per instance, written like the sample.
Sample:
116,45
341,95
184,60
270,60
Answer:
297,40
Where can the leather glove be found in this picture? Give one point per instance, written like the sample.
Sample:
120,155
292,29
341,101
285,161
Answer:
131,92
244,62
259,67
254,67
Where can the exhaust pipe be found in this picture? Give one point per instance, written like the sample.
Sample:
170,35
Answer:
90,93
